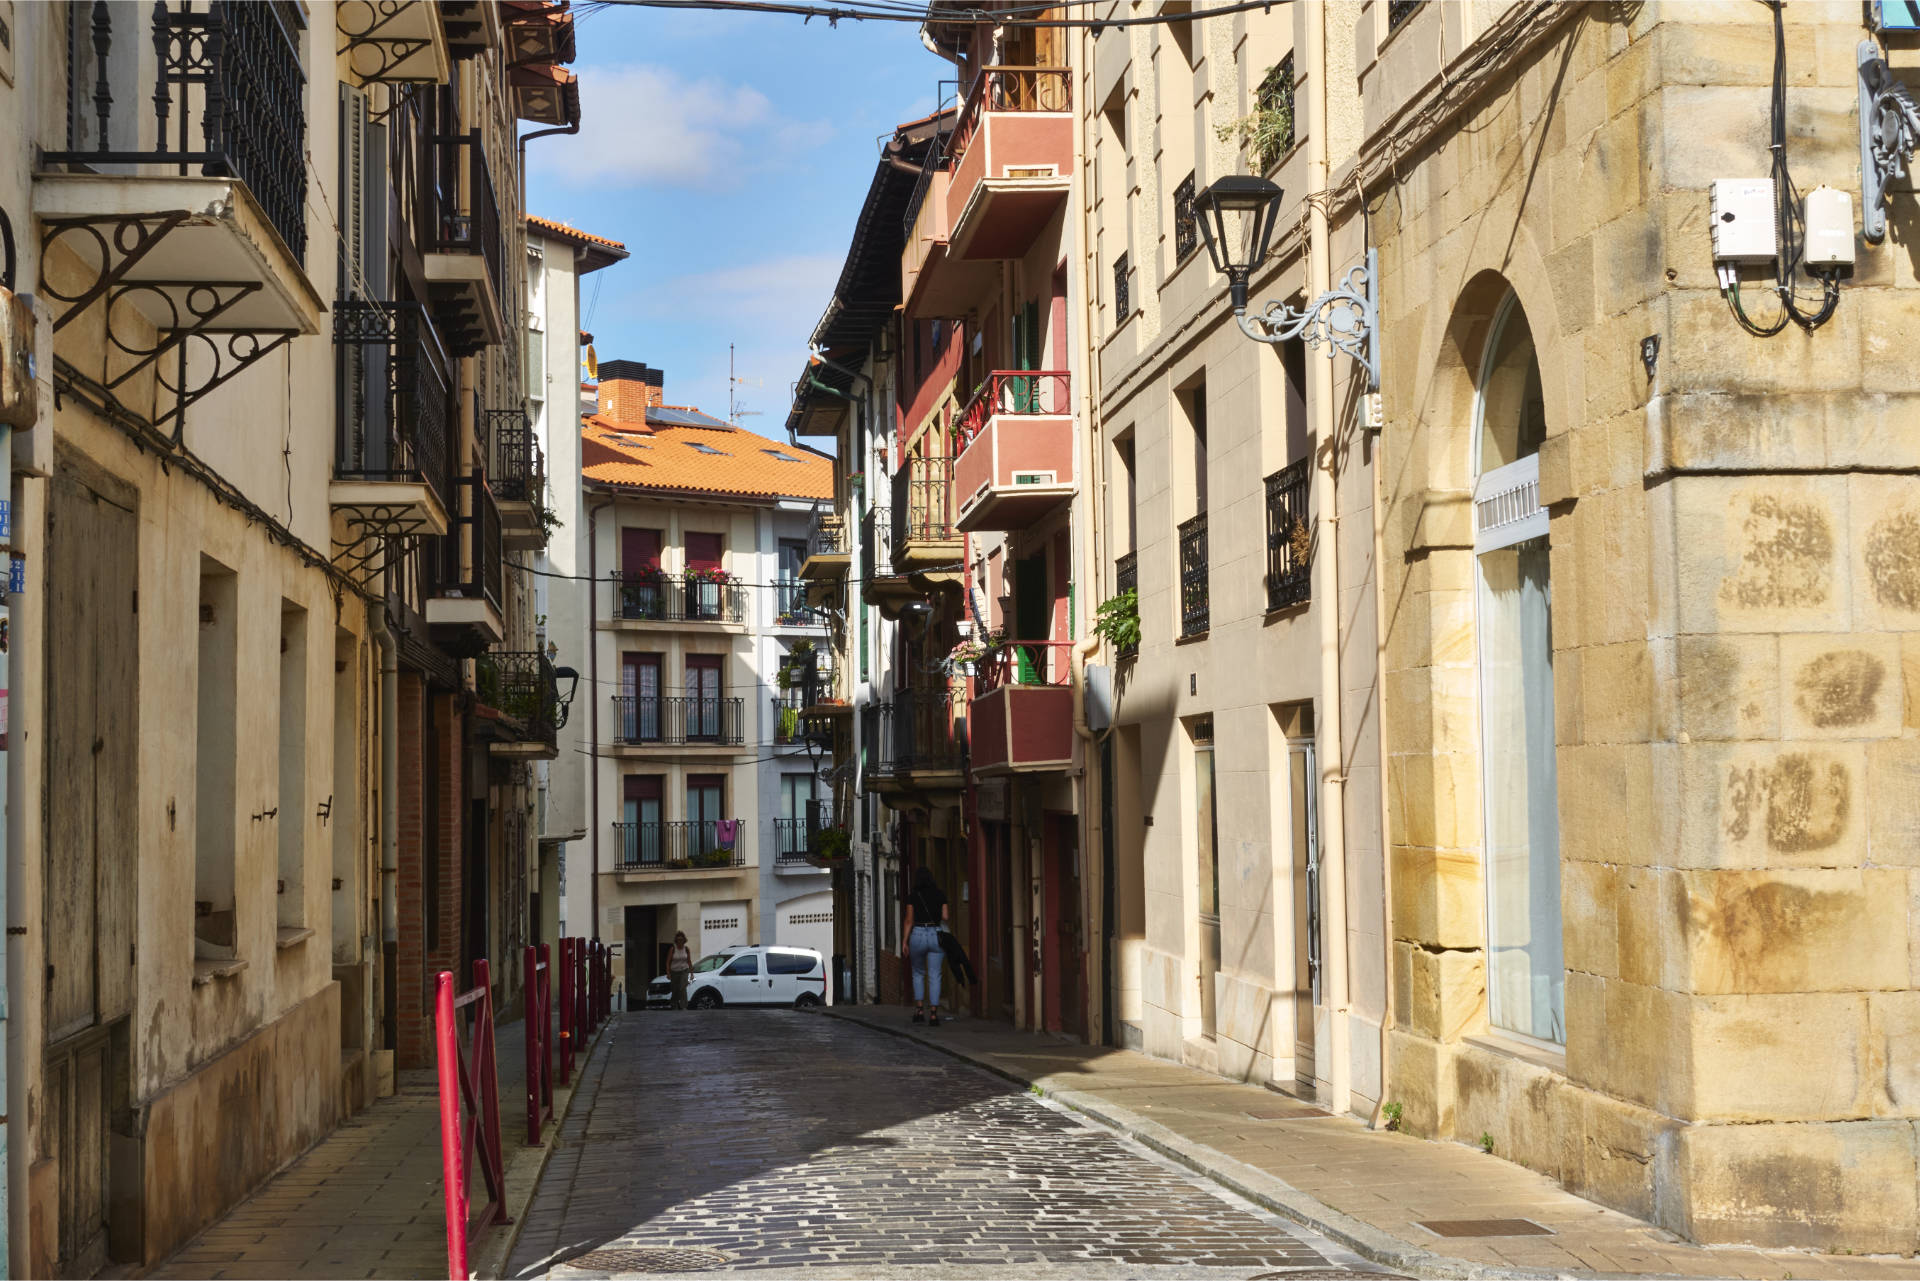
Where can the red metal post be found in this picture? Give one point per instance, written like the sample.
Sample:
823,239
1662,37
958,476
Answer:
488,1071
546,1028
580,988
535,1028
566,1011
453,1148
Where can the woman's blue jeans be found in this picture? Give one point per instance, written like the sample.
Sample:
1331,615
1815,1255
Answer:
923,951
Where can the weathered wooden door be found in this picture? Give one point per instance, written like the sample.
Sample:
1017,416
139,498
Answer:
93,736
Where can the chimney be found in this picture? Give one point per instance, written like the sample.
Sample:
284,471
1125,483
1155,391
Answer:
628,388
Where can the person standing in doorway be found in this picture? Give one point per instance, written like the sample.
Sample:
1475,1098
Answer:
679,967
926,916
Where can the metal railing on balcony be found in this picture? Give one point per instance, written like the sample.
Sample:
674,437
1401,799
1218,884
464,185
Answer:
790,608
792,840
392,402
1194,611
827,536
472,561
679,846
913,730
1025,663
1126,578
661,597
876,544
520,684
515,468
789,725
1024,89
228,97
463,216
678,720
923,502
1289,538
1013,391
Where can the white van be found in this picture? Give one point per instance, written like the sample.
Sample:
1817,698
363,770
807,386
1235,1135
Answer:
757,975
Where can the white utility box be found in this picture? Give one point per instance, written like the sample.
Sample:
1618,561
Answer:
1744,227
1829,219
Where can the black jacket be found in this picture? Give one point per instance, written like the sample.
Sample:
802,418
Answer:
956,956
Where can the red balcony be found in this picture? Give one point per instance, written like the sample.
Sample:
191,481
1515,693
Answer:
1016,460
1021,718
1011,156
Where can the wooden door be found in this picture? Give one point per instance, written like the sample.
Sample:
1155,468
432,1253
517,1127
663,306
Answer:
91,872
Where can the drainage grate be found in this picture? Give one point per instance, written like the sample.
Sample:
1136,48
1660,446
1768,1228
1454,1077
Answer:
1485,1228
649,1259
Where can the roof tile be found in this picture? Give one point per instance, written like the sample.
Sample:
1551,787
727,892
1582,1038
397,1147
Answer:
694,459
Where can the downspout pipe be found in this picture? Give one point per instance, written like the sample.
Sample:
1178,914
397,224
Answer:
593,715
1330,749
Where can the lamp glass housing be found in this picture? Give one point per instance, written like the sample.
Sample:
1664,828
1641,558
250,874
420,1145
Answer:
1237,215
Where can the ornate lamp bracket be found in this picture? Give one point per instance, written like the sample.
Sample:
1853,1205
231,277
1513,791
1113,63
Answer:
1346,319
1889,135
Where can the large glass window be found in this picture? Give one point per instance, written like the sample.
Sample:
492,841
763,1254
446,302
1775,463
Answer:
1526,974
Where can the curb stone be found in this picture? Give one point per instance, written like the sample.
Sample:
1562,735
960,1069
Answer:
1265,1190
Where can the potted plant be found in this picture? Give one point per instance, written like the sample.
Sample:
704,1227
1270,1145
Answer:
1117,621
830,844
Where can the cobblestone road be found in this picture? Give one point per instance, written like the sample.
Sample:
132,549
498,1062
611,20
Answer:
792,1142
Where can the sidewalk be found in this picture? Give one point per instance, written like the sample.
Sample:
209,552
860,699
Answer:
366,1201
1366,1189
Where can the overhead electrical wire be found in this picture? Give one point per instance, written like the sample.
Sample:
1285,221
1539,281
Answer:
883,11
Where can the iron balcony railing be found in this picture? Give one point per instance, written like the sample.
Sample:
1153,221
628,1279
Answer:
515,467
679,846
1013,391
1126,578
678,720
923,501
1025,663
463,216
827,536
792,840
1194,612
228,97
1289,538
876,544
1011,89
657,596
520,684
391,409
472,562
789,725
913,730
790,608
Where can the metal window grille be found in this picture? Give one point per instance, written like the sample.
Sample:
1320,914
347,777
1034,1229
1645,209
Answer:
1120,300
1194,611
1126,578
1186,232
1289,538
1275,95
1398,11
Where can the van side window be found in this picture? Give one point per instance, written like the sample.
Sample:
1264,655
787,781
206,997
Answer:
789,963
747,965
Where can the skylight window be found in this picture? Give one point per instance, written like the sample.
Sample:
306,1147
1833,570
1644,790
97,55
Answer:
706,449
785,458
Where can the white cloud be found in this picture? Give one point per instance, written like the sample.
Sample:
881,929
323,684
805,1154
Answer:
651,125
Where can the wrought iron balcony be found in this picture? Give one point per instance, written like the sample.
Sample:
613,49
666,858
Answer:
516,472
789,718
1289,538
790,607
224,87
521,686
461,217
1011,157
1194,610
1016,459
1126,578
677,721
392,401
468,588
694,845
924,535
660,597
1021,716
912,733
793,841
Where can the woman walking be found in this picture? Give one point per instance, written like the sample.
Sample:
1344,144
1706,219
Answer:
679,966
926,915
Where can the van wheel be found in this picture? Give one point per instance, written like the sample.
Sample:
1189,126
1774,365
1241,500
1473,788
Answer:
805,1001
705,999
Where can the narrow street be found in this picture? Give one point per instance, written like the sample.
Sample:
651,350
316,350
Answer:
774,1140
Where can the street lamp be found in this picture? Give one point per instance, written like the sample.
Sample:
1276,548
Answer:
1237,216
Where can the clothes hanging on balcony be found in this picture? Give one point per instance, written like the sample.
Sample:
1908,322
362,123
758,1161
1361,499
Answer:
725,831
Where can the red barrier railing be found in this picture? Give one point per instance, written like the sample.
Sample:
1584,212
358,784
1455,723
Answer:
469,1088
539,1037
566,1011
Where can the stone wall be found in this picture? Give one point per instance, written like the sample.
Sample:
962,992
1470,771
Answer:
1736,658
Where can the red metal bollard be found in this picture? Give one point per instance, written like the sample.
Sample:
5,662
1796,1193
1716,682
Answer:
546,1029
580,988
539,1088
566,1011
453,1148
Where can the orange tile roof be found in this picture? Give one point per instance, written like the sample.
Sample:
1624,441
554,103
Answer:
642,456
561,229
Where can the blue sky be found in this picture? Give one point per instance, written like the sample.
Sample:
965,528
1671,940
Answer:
730,152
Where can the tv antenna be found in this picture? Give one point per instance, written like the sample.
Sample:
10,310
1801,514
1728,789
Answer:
737,409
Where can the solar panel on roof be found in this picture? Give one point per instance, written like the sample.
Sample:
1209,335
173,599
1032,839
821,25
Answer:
683,418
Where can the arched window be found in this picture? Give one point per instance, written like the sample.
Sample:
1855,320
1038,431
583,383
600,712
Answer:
1526,976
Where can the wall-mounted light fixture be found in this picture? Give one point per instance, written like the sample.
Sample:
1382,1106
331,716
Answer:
1237,216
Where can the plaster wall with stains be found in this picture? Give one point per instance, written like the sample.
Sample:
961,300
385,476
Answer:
1735,563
